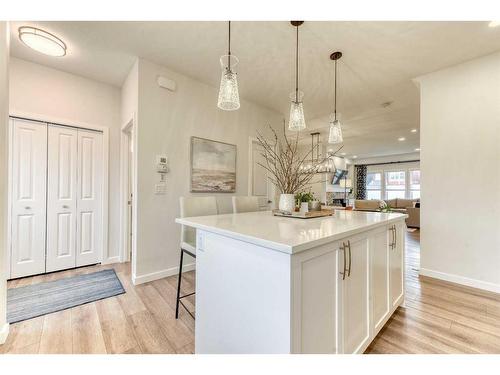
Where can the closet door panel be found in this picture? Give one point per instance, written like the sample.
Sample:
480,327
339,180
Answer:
89,205
29,164
61,198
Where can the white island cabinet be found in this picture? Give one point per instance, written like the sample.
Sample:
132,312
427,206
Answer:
267,284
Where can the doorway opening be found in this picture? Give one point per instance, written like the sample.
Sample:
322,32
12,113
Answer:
127,190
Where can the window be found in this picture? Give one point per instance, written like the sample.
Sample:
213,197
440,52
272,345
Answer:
374,185
391,184
395,184
414,183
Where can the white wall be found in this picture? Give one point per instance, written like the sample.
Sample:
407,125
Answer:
48,94
460,166
4,113
130,95
166,121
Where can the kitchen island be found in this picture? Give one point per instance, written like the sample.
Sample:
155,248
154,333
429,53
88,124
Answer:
267,284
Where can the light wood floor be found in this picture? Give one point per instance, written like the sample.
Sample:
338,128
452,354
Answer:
439,317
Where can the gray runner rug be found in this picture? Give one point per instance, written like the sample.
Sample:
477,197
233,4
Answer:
44,298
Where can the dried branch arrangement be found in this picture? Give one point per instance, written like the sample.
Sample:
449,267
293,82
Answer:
285,164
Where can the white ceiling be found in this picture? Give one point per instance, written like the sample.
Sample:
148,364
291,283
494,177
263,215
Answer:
380,59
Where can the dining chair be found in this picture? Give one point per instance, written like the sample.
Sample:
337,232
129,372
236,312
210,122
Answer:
245,204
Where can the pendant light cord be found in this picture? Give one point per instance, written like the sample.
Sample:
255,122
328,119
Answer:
335,97
297,66
229,48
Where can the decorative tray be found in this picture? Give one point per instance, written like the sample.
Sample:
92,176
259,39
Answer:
304,215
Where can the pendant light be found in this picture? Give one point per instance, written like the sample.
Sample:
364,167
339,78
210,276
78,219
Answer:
335,135
229,99
297,121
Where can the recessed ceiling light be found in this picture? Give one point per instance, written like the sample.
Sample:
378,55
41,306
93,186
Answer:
494,23
355,156
401,139
413,130
417,149
42,41
343,154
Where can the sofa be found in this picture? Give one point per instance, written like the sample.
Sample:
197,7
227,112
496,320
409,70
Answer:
411,207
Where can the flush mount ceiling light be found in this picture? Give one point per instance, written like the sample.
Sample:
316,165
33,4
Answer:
229,98
417,149
494,23
413,130
297,121
42,41
401,139
355,156
335,135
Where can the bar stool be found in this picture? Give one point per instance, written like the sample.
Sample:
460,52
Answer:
245,204
190,207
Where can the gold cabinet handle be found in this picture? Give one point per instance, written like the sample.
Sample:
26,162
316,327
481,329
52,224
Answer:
350,256
395,237
343,249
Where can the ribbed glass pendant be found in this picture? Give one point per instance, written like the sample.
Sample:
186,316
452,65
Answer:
229,98
335,135
297,121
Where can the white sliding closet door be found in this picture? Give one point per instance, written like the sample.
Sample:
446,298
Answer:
29,161
61,198
89,202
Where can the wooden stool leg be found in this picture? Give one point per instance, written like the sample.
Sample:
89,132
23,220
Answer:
179,286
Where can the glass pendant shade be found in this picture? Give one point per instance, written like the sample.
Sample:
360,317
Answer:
229,98
335,135
297,121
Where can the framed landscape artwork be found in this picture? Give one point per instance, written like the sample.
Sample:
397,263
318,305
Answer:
213,166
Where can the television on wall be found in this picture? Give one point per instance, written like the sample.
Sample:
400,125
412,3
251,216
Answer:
338,175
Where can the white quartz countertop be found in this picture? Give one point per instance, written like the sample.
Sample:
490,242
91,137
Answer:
290,235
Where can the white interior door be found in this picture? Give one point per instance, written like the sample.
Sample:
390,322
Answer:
89,198
61,197
29,164
260,186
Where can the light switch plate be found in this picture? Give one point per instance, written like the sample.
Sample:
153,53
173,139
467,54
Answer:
160,188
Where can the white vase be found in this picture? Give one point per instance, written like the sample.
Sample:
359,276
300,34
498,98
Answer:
287,203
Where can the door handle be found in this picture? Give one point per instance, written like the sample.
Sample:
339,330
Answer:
349,246
27,208
343,249
64,206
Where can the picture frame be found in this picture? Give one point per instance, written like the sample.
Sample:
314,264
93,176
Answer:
212,166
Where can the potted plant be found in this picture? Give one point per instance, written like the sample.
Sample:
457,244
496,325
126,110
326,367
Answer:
303,197
285,166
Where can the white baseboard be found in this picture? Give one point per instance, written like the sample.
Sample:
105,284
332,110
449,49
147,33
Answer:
110,260
484,285
140,279
4,332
